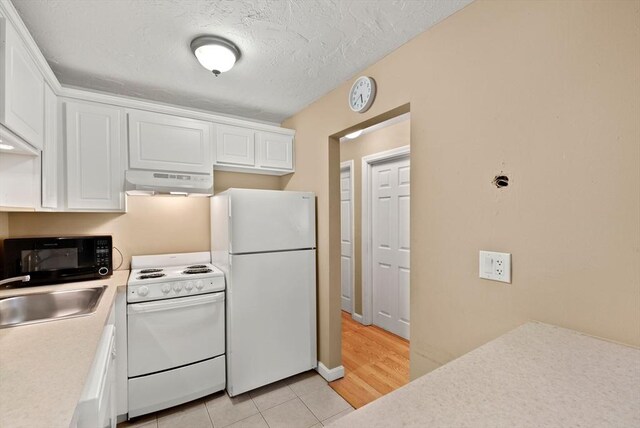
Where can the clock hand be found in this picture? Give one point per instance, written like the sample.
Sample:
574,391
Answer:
361,100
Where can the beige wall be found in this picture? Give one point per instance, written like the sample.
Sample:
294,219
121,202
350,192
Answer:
152,225
547,92
224,180
390,137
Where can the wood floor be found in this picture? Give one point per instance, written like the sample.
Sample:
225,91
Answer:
375,361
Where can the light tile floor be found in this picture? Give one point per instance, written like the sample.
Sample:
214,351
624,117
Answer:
301,401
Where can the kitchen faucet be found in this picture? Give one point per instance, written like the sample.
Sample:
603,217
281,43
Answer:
24,278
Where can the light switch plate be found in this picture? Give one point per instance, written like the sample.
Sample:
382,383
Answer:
495,266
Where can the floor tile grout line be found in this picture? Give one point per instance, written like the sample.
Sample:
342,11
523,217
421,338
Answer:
315,389
265,420
335,392
298,398
208,414
244,419
314,415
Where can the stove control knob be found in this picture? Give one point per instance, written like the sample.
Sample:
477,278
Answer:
177,287
166,288
199,284
143,291
189,286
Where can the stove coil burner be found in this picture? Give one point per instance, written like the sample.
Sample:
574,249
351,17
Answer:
194,271
152,275
197,267
151,270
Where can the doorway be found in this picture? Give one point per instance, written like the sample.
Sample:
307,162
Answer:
374,281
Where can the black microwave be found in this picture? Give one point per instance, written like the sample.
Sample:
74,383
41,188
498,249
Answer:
54,260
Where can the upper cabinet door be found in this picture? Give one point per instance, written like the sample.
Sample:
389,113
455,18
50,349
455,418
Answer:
169,143
235,146
21,88
95,172
274,150
50,151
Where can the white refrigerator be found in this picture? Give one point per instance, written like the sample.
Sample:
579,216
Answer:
265,242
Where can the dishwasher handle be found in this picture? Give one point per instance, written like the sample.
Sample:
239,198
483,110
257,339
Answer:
177,303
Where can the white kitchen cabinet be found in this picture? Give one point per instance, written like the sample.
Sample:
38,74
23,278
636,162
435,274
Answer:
19,182
253,151
120,321
50,168
274,151
235,146
169,143
21,88
95,156
97,405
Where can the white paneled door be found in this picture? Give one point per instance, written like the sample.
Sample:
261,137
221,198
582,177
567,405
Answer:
390,243
346,238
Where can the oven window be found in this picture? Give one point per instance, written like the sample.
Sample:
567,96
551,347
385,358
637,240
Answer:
49,260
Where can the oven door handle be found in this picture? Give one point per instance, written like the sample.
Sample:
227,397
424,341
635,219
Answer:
177,303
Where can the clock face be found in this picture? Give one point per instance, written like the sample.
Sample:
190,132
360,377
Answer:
362,94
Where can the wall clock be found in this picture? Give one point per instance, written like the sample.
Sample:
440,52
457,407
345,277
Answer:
362,94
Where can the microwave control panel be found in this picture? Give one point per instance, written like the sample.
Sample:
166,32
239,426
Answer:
103,256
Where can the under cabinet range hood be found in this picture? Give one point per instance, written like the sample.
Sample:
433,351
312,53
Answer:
11,144
142,182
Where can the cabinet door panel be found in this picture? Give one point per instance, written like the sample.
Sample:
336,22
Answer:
275,150
235,146
94,173
50,151
169,143
23,89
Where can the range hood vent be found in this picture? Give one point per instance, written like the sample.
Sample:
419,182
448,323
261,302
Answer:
141,182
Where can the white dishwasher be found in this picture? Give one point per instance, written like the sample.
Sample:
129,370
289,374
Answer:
175,332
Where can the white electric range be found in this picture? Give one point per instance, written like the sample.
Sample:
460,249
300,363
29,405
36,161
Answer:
176,330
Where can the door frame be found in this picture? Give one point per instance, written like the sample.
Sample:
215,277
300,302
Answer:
368,163
350,166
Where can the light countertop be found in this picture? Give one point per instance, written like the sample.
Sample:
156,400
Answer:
43,367
534,376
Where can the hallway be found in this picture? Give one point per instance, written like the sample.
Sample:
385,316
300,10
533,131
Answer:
376,362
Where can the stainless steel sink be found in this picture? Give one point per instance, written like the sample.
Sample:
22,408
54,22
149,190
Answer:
53,305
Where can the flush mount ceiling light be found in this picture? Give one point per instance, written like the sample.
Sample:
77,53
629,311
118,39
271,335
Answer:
215,53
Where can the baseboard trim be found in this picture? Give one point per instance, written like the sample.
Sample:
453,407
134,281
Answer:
330,374
357,318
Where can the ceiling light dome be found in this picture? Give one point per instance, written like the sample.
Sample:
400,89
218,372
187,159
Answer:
215,53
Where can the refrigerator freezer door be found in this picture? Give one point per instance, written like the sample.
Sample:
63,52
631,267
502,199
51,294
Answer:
265,220
271,318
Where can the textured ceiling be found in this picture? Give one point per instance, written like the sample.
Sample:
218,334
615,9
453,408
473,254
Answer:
293,51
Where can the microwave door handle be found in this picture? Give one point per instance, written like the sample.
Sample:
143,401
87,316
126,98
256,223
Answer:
30,264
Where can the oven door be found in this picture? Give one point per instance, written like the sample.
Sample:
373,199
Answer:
171,333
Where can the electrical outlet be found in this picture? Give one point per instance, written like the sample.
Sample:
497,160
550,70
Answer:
495,266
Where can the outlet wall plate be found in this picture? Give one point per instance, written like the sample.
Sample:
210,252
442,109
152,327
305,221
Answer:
495,266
